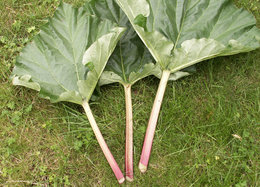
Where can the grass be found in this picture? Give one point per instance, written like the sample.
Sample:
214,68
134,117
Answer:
207,135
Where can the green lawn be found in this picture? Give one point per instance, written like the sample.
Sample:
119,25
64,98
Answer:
53,144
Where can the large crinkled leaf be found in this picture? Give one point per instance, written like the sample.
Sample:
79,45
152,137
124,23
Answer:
180,33
53,62
131,60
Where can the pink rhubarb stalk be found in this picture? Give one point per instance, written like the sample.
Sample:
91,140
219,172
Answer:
148,141
129,135
119,175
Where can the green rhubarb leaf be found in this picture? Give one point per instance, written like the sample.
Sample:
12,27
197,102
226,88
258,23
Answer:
181,33
131,61
53,62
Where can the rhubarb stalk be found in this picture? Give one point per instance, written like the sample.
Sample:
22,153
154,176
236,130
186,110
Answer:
103,145
129,135
148,141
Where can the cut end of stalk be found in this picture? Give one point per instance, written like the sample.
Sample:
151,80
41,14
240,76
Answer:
129,179
121,181
142,167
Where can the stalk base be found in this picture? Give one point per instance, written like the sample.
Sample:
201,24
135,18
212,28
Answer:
142,168
129,179
121,181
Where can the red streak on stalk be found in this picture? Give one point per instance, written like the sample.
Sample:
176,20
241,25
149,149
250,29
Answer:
119,175
129,135
148,141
